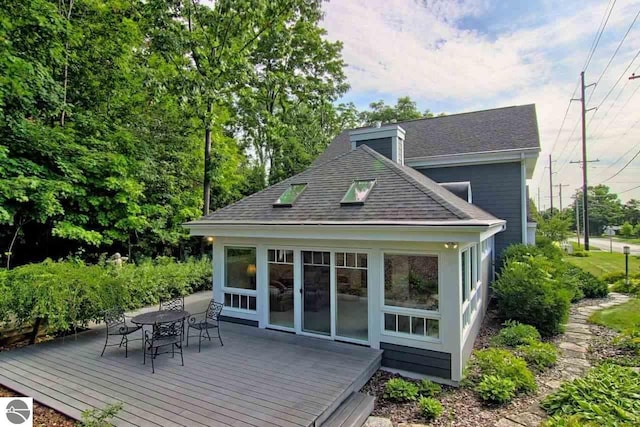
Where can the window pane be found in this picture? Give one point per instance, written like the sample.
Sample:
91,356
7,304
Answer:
227,300
252,303
316,301
281,295
463,274
236,301
289,257
389,322
340,259
351,260
240,268
290,194
307,257
352,301
358,191
272,255
411,281
317,258
473,268
433,328
417,326
362,260
403,324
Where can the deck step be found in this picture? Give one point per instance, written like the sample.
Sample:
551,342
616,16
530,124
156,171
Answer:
353,412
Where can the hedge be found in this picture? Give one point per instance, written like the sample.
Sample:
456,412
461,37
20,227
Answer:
68,294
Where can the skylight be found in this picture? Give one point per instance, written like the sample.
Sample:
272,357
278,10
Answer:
290,195
358,192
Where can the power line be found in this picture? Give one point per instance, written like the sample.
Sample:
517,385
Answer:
629,189
624,73
603,24
623,168
624,155
614,54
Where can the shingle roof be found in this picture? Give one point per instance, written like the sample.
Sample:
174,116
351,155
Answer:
400,195
508,128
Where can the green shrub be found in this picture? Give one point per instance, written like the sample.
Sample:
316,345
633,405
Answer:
495,389
527,292
612,277
100,417
68,294
428,388
629,340
580,254
538,355
522,252
515,333
400,390
430,408
591,286
633,287
606,396
501,363
568,421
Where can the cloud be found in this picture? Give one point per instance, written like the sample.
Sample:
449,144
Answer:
464,55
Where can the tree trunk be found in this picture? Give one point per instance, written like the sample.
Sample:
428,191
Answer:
13,241
34,333
207,163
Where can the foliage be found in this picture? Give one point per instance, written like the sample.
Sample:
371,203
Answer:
607,395
632,286
522,252
515,333
69,294
503,364
405,109
629,339
601,263
429,408
591,286
400,390
427,388
496,389
555,228
612,276
100,417
539,355
527,292
626,230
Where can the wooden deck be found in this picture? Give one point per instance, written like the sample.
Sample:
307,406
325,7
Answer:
259,378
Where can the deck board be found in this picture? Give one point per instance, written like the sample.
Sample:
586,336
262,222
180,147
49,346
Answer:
258,378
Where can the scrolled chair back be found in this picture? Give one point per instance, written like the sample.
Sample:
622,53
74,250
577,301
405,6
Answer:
214,310
174,304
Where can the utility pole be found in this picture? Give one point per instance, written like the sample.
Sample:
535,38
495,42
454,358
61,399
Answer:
551,183
577,220
585,196
560,187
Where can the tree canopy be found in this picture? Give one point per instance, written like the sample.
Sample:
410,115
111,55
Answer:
121,120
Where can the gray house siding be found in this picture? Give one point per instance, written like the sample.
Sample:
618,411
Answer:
381,145
427,362
495,188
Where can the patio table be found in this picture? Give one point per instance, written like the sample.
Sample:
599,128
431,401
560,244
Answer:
157,318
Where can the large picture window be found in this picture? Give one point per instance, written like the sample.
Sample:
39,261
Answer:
240,268
411,281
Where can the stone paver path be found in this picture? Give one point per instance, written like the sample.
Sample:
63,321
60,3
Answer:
573,362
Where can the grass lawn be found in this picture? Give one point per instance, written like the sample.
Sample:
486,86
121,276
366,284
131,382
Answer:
621,317
627,239
600,262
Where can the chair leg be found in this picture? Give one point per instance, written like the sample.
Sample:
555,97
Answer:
144,354
105,344
199,340
173,351
220,336
208,336
188,330
126,346
153,368
181,357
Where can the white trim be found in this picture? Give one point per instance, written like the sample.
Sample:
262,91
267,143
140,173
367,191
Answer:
374,132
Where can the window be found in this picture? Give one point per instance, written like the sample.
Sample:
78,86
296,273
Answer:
290,195
280,287
240,268
411,281
352,296
464,275
358,192
412,325
474,264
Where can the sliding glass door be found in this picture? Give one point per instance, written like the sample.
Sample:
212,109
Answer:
316,292
352,296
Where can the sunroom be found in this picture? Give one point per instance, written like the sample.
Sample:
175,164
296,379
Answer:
361,250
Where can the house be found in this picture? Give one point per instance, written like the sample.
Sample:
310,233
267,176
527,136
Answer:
389,240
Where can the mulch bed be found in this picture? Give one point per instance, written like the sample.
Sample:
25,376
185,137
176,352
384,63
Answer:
461,406
43,416
603,349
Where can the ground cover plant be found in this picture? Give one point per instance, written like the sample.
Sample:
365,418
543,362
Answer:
500,363
606,396
515,333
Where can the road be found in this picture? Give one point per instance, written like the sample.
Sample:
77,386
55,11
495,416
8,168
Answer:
603,243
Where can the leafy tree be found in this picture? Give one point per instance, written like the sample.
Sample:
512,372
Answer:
626,230
636,230
405,109
631,211
605,208
555,228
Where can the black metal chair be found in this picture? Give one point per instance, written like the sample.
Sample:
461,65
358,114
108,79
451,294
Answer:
117,326
203,323
163,335
174,304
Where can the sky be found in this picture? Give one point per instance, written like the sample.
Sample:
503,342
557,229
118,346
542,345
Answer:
466,55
